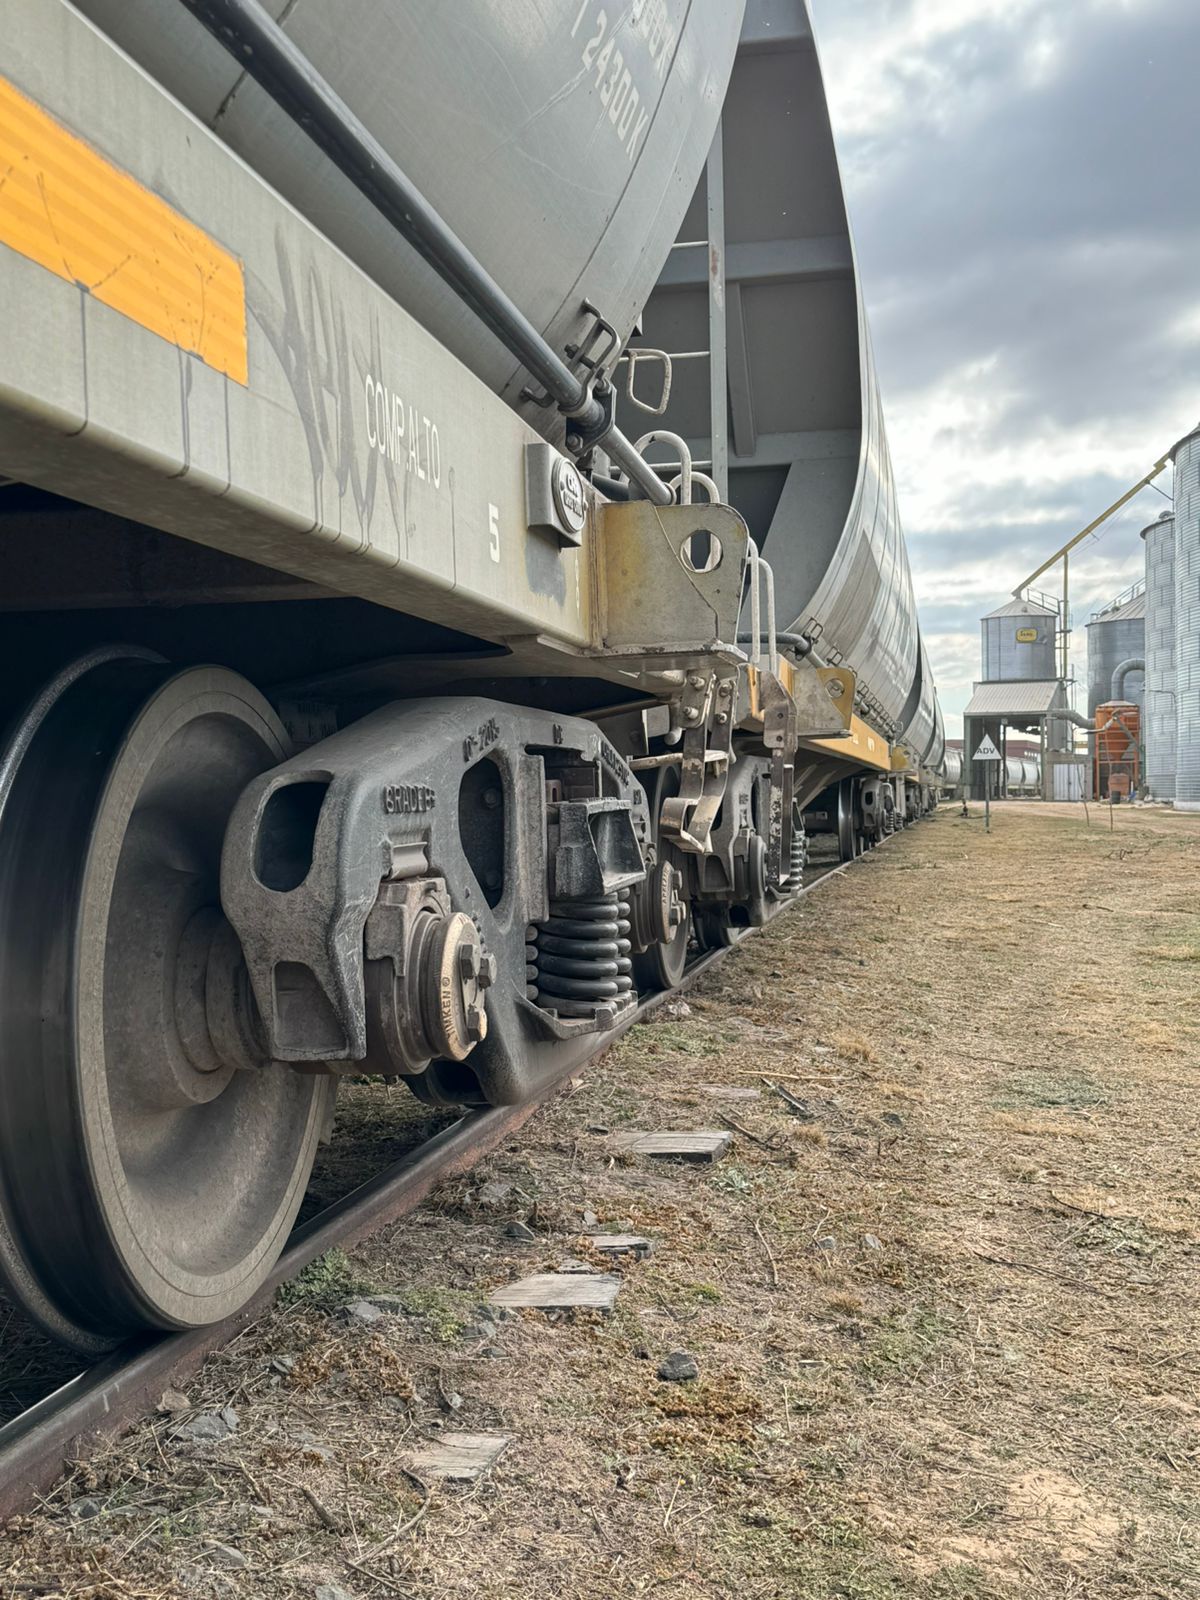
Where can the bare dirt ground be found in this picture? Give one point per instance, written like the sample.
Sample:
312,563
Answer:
942,1298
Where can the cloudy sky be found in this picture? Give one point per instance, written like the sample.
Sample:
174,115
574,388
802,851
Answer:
1024,185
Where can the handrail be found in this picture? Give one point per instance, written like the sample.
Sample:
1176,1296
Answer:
679,445
761,572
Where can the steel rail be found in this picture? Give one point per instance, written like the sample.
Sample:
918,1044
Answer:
110,1396
265,53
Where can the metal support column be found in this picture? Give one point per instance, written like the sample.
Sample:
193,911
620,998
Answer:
717,381
1047,787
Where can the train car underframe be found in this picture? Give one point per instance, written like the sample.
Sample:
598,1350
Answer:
462,889
339,739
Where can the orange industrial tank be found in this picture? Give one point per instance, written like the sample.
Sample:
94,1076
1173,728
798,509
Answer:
1118,750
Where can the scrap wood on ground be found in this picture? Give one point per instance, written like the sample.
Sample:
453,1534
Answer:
925,1330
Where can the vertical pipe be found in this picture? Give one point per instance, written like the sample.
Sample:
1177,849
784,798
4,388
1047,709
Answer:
717,379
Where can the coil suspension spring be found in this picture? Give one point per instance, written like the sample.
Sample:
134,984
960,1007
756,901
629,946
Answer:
579,957
799,855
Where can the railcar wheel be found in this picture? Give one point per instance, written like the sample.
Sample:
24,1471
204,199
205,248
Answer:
849,839
661,964
144,1181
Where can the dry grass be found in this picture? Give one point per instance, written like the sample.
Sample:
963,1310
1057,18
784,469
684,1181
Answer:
853,1047
1174,952
944,1306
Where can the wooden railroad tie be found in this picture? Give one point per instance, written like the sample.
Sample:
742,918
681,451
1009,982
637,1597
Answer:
560,1291
461,1456
703,1145
621,1244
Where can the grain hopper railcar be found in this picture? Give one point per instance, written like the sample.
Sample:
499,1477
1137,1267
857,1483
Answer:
375,700
1021,776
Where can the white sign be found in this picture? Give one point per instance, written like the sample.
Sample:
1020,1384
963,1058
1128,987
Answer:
986,750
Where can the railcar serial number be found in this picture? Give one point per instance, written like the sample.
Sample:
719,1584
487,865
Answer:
647,21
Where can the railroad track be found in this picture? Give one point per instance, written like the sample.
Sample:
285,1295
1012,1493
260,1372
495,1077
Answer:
116,1391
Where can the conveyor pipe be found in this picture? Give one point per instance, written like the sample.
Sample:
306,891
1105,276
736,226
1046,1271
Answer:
263,50
1120,673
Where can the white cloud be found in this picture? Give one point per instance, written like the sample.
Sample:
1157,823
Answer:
892,72
1186,328
953,459
885,74
954,658
1014,169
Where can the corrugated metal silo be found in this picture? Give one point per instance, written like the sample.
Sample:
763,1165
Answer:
1187,622
1159,722
1019,643
1114,636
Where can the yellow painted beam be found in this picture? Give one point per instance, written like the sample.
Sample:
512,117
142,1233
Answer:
860,743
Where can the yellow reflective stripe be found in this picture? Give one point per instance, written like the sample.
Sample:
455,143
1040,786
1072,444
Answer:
65,206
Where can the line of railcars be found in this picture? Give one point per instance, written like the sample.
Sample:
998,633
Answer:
1022,775
375,701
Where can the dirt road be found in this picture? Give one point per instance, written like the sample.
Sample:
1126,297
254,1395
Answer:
941,1293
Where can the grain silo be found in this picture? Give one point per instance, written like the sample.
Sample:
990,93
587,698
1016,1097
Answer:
1159,720
1116,650
1187,622
1019,642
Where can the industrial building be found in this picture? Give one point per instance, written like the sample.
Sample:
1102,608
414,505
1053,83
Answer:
1160,725
1022,690
1116,677
1143,675
1187,622
1116,651
1171,724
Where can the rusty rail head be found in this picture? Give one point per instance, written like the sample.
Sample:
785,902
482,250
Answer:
107,1398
